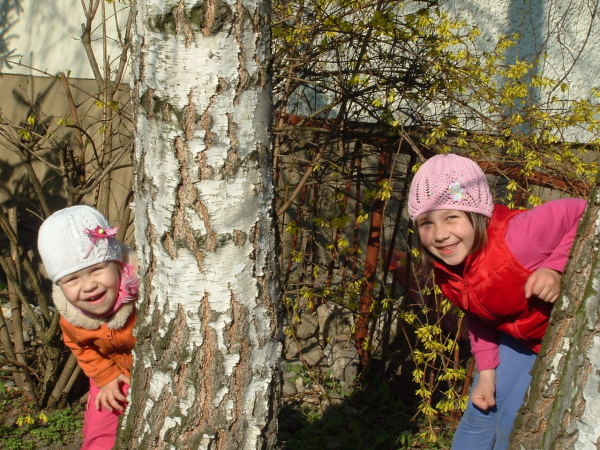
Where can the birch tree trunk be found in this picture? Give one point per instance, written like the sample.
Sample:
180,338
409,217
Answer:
562,409
206,366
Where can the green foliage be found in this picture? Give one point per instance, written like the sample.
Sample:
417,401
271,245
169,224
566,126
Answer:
300,372
437,374
60,424
26,428
33,431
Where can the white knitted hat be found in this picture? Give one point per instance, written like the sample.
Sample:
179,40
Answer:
74,238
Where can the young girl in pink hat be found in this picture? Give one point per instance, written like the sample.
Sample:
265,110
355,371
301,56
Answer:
95,288
503,268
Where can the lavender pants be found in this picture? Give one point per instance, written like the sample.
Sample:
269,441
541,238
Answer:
482,430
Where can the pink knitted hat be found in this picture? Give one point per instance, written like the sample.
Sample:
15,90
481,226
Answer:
449,182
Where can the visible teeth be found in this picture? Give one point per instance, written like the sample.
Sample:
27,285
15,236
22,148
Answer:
448,247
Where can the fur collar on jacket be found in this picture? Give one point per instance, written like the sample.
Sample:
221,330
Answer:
75,317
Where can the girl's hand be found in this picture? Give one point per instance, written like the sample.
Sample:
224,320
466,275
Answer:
110,396
484,393
544,284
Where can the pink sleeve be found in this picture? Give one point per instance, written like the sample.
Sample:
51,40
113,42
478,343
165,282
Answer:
484,343
540,237
543,236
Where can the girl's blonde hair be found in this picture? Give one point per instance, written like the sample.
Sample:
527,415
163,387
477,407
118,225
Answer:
479,223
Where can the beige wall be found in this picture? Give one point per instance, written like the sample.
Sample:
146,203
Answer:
45,35
20,95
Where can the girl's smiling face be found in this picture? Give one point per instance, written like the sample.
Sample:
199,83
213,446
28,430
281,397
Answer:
93,290
447,234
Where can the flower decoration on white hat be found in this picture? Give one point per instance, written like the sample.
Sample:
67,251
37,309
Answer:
99,233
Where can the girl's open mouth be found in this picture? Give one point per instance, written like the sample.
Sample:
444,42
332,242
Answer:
448,248
96,299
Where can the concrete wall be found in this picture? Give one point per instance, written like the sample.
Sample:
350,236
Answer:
567,31
44,35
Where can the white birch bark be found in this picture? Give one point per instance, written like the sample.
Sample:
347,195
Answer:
206,366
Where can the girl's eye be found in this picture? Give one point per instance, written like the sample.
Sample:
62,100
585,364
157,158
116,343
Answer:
99,267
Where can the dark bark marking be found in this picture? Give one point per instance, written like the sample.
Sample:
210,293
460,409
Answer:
212,15
186,195
211,242
146,102
182,23
237,339
222,85
151,270
208,17
207,390
239,237
141,66
206,171
175,350
168,244
156,107
189,118
232,162
206,124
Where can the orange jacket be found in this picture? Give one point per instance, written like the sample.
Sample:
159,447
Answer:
102,346
104,353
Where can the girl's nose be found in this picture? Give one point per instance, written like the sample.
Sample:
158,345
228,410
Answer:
441,234
89,284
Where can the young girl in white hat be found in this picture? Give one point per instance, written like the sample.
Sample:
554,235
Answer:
95,287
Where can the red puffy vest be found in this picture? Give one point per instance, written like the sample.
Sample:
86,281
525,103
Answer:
491,287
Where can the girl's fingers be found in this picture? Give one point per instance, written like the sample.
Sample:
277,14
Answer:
105,405
120,397
115,405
